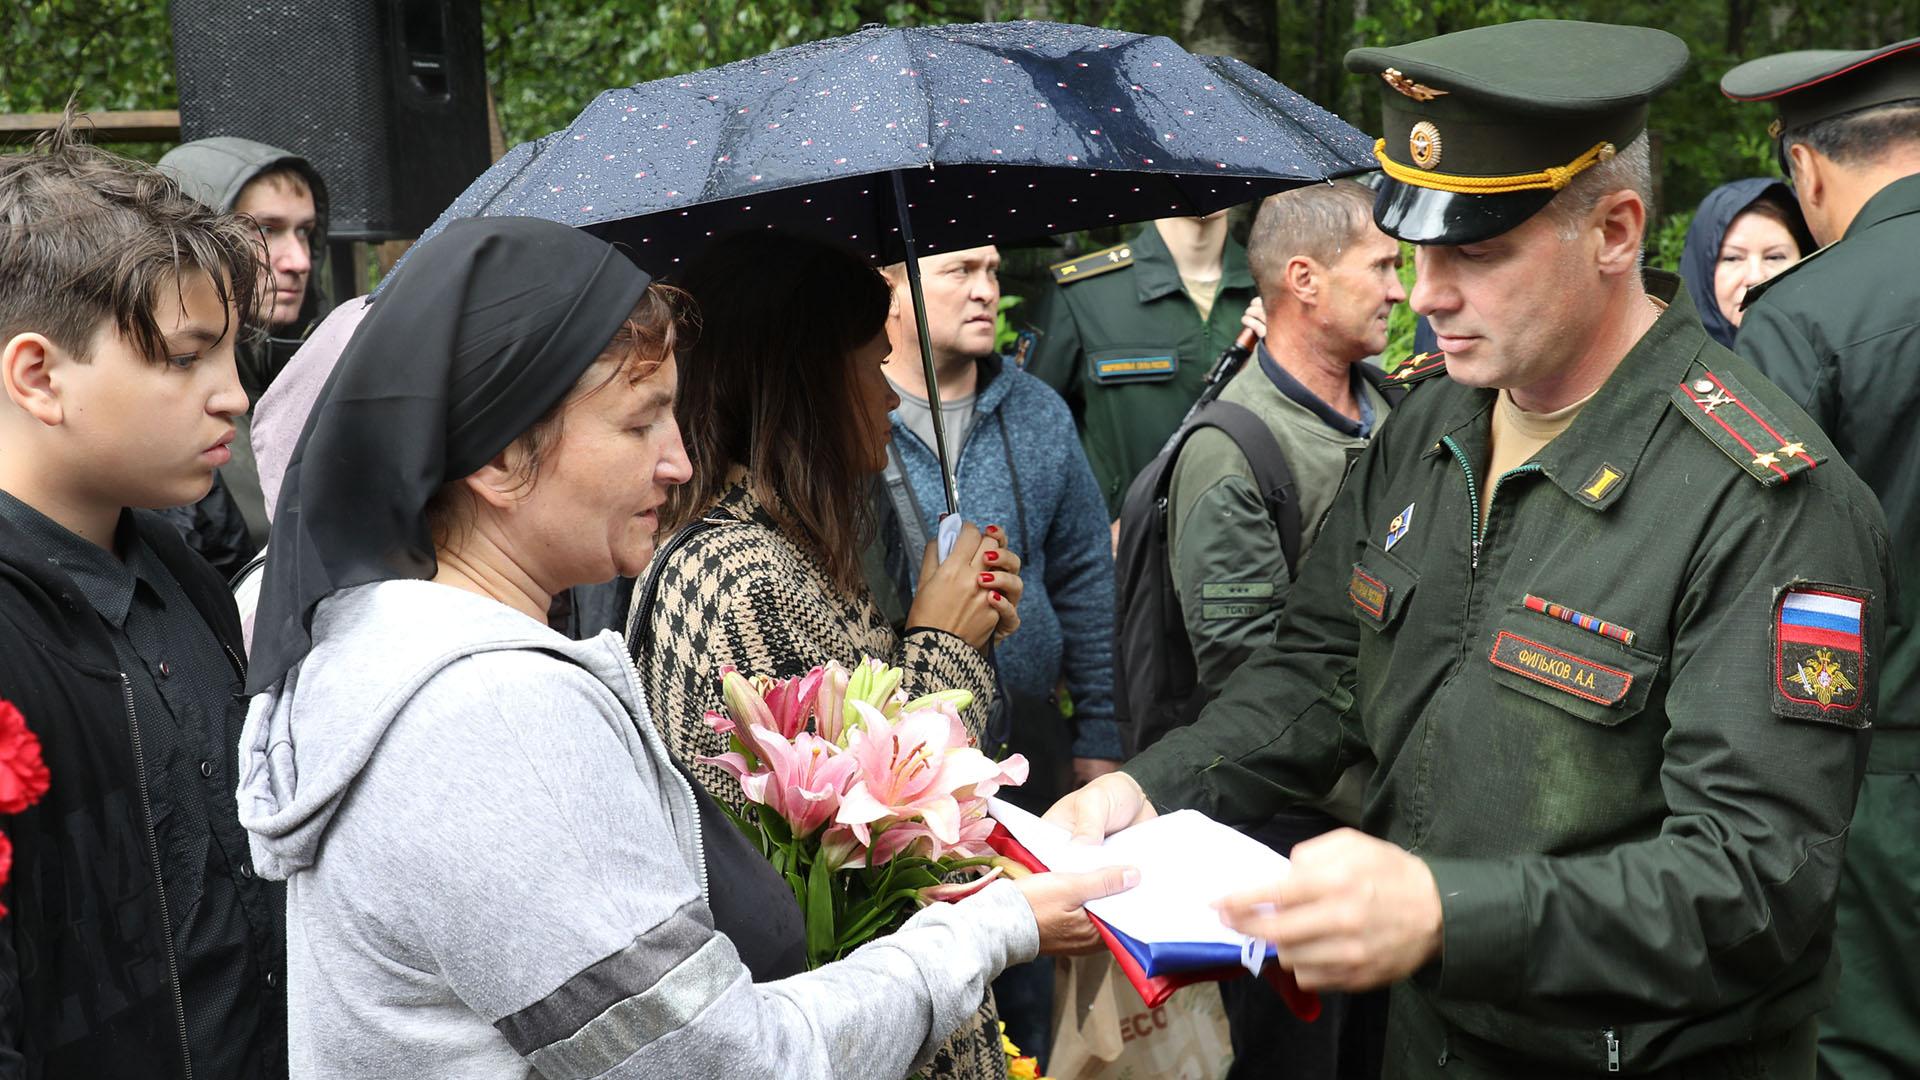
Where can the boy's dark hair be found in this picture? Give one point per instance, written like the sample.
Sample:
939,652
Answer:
88,236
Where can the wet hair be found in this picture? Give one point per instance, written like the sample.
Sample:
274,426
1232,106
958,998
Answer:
89,238
1863,136
1787,215
771,386
1319,221
635,352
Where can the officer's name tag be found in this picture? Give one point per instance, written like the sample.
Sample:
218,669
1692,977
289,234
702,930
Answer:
1128,368
1368,593
1560,669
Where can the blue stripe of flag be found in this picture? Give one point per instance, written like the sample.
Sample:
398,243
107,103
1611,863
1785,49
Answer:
1820,620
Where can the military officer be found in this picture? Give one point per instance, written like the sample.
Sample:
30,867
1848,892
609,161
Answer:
1840,333
1602,604
1127,335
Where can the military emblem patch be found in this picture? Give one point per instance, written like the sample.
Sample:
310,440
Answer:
1820,654
1397,528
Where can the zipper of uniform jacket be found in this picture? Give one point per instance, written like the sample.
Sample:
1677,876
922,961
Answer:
1493,496
1473,500
1613,1050
686,786
159,882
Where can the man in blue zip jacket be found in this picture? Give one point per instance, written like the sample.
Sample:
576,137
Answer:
1017,464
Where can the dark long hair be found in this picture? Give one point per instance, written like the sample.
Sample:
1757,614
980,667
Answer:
770,385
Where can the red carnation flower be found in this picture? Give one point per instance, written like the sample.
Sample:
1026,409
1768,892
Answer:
23,776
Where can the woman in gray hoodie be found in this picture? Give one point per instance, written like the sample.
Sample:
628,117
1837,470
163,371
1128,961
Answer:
493,865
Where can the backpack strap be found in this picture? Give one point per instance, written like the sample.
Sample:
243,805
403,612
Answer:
646,592
1271,473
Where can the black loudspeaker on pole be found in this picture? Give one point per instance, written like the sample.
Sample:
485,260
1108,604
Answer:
387,98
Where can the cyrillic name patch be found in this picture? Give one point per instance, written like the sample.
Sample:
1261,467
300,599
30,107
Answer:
1368,593
1124,368
1820,653
1561,670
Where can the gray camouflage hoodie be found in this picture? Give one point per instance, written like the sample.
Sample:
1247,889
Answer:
493,866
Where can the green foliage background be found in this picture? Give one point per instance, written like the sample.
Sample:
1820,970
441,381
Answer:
547,58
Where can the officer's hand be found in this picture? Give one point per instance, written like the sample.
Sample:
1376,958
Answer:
1058,902
1354,914
1255,318
1105,806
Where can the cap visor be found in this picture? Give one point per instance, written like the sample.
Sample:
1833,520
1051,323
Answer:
1424,216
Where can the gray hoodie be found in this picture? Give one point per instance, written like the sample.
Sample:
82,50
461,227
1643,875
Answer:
493,867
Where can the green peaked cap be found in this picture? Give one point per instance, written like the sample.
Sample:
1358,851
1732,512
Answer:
1483,126
1815,84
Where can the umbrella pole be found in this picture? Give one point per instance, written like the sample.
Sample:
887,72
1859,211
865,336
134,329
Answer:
926,343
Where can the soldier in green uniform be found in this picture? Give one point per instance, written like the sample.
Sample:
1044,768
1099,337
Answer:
1603,605
1840,333
1127,335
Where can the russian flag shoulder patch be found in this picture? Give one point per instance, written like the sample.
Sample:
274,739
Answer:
1820,653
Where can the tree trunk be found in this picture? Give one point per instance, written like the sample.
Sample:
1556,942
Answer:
1243,29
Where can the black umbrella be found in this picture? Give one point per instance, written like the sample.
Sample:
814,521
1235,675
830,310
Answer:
899,143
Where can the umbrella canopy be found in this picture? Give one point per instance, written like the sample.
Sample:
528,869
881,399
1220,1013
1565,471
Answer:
898,143
1002,132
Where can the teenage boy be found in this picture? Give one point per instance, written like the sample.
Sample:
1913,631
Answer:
138,941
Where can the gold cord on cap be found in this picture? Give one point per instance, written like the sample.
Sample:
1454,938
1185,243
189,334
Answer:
1552,178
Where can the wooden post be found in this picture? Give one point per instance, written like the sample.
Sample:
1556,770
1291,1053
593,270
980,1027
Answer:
145,125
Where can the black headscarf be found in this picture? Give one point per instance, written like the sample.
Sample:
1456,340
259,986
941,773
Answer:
485,329
1701,255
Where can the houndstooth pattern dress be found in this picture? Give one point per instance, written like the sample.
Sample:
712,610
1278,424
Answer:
741,592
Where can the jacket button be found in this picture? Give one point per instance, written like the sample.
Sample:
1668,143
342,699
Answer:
166,669
273,979
246,871
206,768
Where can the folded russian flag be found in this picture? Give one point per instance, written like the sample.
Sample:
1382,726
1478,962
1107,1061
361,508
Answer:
1156,971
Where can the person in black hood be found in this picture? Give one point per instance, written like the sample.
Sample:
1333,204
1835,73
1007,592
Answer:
284,198
1743,233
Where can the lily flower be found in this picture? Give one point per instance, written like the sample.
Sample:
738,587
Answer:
829,704
803,783
911,770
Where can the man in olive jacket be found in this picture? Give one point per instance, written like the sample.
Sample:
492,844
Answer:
1603,605
1840,333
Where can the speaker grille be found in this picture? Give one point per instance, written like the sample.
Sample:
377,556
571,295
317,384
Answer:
335,82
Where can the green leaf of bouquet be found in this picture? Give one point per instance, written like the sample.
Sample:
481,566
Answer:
819,908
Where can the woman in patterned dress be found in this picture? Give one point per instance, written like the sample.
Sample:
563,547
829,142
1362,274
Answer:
784,406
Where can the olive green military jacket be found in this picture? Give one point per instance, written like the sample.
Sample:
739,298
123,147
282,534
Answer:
1586,716
1119,338
1228,569
1840,333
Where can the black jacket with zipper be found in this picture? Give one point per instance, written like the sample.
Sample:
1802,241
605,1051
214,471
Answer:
88,971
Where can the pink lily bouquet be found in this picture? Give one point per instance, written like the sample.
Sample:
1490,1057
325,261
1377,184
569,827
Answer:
866,802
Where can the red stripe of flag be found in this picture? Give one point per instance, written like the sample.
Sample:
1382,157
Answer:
1811,635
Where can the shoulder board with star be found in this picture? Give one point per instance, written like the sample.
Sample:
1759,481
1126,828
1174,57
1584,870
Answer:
1092,265
1745,429
1419,367
1755,292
